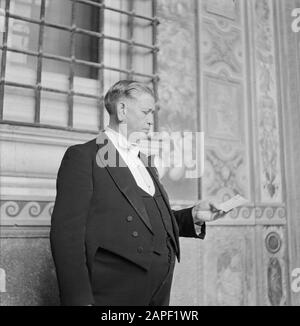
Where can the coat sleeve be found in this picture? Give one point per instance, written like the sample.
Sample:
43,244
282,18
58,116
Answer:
67,234
186,224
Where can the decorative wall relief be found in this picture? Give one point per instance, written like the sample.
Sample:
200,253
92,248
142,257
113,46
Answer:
224,176
274,266
25,212
228,254
263,18
273,242
178,82
224,113
265,214
224,107
229,282
274,282
229,276
267,103
222,49
176,64
229,9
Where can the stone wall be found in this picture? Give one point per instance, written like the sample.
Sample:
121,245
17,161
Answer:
232,82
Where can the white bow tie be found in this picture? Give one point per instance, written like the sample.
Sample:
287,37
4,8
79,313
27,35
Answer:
133,148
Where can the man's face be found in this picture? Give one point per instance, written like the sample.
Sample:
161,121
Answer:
139,113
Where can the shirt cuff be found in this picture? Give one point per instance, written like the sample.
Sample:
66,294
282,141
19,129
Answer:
200,227
200,230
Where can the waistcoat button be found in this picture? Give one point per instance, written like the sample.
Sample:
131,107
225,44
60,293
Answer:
129,218
140,250
135,234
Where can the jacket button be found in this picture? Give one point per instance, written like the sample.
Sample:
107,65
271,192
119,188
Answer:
135,234
129,218
140,250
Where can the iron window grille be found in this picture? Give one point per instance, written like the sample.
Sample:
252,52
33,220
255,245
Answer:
100,66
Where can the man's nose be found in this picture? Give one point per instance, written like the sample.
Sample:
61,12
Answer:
150,119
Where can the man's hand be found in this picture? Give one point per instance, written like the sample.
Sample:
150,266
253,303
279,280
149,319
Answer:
206,211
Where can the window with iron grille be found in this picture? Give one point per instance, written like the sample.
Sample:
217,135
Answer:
59,57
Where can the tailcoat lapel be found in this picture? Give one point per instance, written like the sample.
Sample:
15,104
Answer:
116,167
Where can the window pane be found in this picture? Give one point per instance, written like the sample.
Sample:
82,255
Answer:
86,113
115,24
87,17
59,12
54,109
57,42
20,61
142,31
86,47
2,21
86,79
16,71
143,7
24,36
112,77
116,3
55,74
145,80
26,8
112,54
19,104
142,60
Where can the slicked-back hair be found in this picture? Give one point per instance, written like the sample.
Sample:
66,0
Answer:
124,89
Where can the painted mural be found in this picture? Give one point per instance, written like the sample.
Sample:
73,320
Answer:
267,103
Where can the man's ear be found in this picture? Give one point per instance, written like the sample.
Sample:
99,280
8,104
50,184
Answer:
121,111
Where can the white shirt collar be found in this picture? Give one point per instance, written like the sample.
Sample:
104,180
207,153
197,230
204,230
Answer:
121,142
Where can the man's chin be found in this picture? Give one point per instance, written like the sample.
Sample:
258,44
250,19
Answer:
145,131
